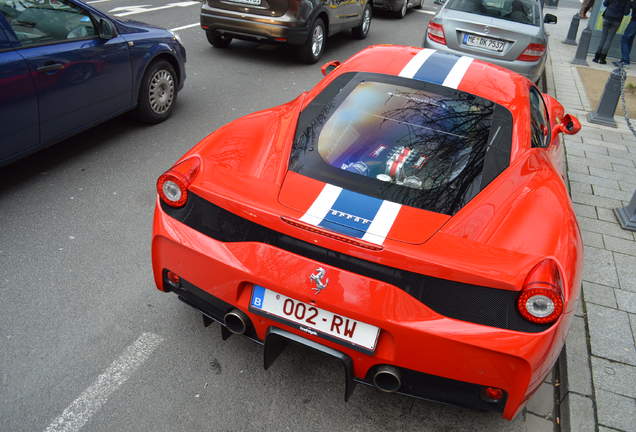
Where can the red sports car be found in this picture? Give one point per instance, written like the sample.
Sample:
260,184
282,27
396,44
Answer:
407,216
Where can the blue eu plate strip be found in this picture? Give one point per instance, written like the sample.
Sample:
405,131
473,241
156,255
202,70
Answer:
258,294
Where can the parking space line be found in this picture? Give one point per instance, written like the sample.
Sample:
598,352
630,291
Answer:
184,27
96,395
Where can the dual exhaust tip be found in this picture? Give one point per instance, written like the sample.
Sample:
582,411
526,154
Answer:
236,321
386,378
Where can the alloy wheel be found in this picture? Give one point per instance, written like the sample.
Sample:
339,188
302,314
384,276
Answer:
161,91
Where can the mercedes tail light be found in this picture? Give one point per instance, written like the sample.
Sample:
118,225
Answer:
172,186
533,52
436,33
541,299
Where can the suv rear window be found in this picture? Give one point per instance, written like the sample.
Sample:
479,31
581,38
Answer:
403,140
521,11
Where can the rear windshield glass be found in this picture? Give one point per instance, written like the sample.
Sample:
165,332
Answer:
521,11
402,140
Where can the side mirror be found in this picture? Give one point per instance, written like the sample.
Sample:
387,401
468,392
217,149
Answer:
327,68
550,19
569,124
106,29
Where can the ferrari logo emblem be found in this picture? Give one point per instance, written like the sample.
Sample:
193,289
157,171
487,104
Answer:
317,279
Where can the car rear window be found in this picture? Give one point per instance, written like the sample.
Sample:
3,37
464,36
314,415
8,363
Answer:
521,11
403,140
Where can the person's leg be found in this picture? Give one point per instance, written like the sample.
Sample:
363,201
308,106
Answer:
611,32
627,41
601,43
585,8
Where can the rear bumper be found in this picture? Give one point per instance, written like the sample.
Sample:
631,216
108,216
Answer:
441,359
530,70
389,5
254,27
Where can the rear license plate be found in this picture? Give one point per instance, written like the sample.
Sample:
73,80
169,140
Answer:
485,43
247,2
313,320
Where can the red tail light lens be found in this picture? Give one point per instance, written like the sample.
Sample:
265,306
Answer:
436,33
532,53
172,186
541,300
492,394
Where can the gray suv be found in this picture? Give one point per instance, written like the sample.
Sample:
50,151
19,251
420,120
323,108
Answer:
304,24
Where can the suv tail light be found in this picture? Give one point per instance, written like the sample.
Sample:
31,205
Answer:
533,52
436,33
541,299
172,186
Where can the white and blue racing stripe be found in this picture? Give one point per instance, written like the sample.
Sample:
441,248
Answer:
437,67
352,214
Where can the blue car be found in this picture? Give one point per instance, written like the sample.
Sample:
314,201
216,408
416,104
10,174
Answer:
65,67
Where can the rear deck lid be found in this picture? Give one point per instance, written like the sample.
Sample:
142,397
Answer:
379,156
257,7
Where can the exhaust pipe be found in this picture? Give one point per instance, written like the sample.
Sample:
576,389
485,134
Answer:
387,378
236,321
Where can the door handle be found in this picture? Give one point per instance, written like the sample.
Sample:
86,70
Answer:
50,67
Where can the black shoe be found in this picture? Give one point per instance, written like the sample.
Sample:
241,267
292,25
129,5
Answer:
601,59
597,56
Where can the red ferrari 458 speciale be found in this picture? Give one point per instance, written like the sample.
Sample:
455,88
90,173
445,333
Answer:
408,216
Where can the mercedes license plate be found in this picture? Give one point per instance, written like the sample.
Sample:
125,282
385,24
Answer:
483,42
248,2
313,320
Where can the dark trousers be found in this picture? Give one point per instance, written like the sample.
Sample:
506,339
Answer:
586,6
609,31
627,41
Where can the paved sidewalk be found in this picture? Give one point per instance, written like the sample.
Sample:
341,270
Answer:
598,370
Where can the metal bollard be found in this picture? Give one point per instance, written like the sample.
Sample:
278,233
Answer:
627,215
570,39
604,114
584,44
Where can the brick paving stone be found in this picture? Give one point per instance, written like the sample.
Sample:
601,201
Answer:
628,187
575,167
623,246
616,377
591,162
610,334
622,154
599,294
616,145
584,210
577,414
622,168
594,179
581,187
611,159
605,214
579,308
626,269
592,239
604,227
596,149
594,200
632,321
611,174
574,151
616,411
611,193
599,267
626,300
575,369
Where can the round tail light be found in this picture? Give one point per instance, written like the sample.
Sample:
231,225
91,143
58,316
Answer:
172,186
541,300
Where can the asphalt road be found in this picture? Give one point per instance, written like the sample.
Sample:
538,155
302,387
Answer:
86,342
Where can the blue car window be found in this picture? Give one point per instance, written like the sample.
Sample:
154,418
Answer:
37,22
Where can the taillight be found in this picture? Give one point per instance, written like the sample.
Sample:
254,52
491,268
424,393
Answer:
436,33
541,299
172,186
533,52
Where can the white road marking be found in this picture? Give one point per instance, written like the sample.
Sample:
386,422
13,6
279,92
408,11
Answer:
97,1
133,10
77,414
185,27
416,10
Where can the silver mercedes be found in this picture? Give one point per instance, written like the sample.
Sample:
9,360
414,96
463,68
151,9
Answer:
508,33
